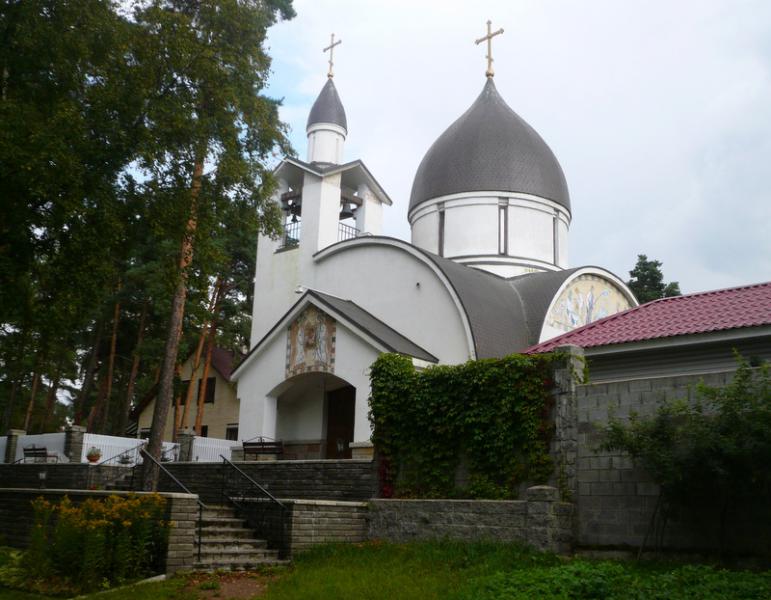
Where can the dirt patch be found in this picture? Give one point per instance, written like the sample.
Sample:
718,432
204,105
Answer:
230,585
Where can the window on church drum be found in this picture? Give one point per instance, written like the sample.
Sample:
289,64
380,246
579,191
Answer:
210,387
231,432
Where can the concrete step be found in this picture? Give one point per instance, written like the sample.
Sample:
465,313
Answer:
237,557
230,522
226,532
208,543
239,565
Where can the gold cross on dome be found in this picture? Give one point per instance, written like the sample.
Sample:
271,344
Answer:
489,37
331,48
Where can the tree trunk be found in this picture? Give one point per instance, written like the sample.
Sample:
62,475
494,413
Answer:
111,365
31,405
166,384
182,422
204,381
96,409
8,416
212,334
88,377
124,415
50,400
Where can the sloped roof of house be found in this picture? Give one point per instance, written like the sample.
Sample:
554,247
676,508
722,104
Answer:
704,312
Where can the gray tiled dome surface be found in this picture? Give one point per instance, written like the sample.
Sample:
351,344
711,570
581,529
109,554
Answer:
489,148
328,108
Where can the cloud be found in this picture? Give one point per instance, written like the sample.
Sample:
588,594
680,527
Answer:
659,112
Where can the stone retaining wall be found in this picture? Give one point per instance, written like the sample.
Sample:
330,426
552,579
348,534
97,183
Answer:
303,524
347,480
61,476
16,519
541,520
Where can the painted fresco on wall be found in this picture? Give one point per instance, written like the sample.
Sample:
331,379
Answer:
587,298
310,344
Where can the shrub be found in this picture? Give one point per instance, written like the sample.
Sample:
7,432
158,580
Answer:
95,544
713,452
493,416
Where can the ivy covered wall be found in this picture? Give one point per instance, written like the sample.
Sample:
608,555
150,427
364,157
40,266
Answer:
490,419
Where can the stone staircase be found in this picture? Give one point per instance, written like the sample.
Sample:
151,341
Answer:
228,543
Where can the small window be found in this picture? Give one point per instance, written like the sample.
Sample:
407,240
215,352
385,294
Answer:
204,431
210,386
231,432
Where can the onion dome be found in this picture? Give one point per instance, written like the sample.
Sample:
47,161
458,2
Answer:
489,148
328,108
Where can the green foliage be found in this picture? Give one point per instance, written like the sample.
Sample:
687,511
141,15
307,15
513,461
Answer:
616,581
491,415
95,544
451,570
712,452
647,281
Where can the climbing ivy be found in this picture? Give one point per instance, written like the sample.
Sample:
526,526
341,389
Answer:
491,418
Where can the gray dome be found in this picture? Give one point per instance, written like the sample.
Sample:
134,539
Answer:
328,108
489,148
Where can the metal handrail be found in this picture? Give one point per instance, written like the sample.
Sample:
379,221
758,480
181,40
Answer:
139,446
253,482
144,452
201,505
261,438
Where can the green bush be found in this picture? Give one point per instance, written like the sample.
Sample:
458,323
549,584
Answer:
493,415
93,545
616,581
713,452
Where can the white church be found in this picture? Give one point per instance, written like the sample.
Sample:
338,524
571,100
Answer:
486,273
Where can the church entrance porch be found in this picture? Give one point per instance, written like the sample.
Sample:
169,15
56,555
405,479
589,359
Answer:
315,415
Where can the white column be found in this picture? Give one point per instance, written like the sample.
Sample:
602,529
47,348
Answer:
369,216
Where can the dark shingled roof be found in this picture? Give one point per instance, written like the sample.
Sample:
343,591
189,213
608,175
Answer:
328,108
505,315
390,338
489,148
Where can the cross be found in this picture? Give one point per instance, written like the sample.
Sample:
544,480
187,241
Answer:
331,48
489,37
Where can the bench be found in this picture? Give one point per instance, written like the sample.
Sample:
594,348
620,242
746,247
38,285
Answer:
263,447
39,454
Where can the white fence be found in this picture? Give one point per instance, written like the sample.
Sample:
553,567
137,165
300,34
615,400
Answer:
207,449
3,442
52,442
109,445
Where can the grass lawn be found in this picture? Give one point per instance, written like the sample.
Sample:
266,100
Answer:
453,571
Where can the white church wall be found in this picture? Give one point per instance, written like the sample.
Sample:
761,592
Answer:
369,216
301,410
562,237
352,362
276,278
320,213
400,290
471,227
425,231
531,233
325,143
257,414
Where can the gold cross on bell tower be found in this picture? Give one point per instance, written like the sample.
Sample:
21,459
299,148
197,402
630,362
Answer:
489,37
331,48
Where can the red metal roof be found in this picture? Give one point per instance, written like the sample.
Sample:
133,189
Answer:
717,310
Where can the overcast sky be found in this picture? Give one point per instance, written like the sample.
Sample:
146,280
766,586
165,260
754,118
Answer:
658,111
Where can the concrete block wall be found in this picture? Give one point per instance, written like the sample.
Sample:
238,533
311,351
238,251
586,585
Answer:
616,500
76,476
345,480
16,519
303,524
541,520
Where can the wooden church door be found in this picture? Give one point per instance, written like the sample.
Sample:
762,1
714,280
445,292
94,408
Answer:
341,408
